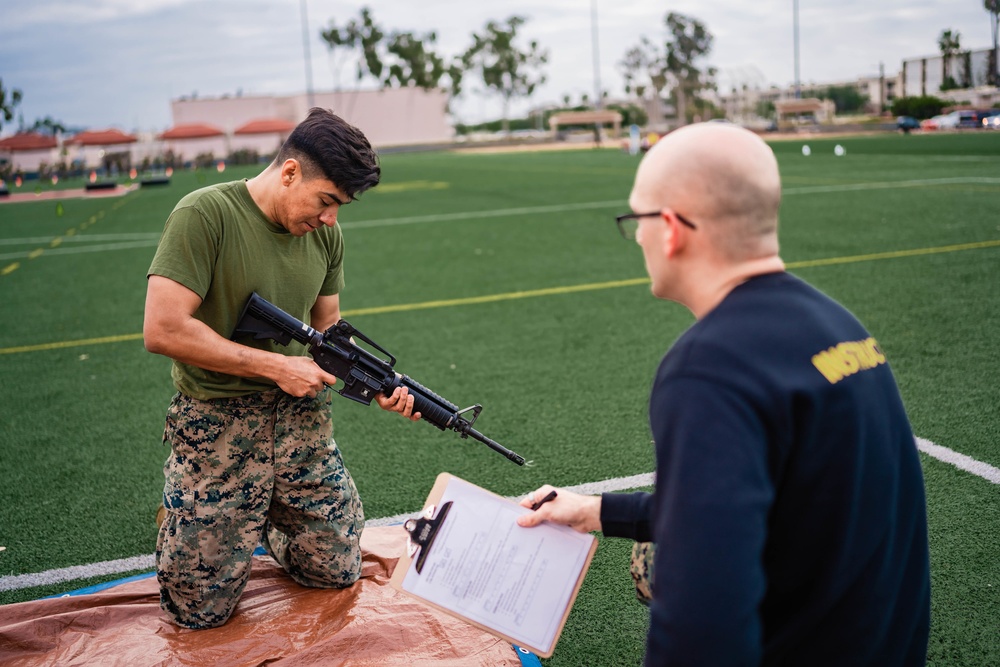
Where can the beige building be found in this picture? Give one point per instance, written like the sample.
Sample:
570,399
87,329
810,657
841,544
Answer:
750,104
389,117
968,70
28,151
816,110
91,147
219,126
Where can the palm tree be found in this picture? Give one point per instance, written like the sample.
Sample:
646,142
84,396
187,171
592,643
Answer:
949,44
993,7
7,105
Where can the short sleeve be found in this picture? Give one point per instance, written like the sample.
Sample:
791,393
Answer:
187,250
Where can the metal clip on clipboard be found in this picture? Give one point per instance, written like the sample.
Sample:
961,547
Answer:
422,532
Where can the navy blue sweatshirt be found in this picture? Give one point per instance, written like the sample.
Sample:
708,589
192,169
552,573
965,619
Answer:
789,511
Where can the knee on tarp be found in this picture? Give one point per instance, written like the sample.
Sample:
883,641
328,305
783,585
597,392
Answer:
277,621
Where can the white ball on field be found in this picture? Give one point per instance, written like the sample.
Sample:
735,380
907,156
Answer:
805,150
838,150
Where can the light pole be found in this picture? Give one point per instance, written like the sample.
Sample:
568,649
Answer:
598,101
305,45
597,56
795,29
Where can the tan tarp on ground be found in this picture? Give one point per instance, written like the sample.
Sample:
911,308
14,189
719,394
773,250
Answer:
277,623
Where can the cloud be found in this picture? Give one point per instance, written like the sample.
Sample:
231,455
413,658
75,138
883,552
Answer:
68,12
120,62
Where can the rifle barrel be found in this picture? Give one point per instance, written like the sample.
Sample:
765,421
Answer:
497,447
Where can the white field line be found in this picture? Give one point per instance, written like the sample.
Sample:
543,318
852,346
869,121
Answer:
886,185
49,252
83,238
496,213
590,489
15,582
136,563
960,461
150,240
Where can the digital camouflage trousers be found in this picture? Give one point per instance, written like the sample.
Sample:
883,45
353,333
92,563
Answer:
264,469
641,568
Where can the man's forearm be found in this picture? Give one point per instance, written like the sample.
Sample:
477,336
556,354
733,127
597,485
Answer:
628,515
190,341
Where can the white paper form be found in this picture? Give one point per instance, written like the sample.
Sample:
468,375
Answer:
482,565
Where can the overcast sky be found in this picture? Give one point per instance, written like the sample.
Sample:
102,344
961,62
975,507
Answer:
118,63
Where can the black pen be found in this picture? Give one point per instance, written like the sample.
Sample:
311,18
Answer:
551,496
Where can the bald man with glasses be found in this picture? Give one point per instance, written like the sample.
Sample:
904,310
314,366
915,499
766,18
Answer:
788,520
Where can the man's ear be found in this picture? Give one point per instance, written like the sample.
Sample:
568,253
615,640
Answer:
674,238
290,170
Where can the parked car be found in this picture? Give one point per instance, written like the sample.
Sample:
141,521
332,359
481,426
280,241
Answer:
966,118
907,123
943,122
991,120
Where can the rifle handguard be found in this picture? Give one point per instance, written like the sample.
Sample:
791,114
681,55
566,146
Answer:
362,372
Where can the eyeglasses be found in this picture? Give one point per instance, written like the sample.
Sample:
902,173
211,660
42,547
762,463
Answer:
629,223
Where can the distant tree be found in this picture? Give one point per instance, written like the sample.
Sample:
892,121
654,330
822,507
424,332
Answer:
919,106
845,98
204,160
650,68
362,35
9,99
243,156
765,109
493,126
950,45
631,114
633,67
993,7
48,126
118,163
398,58
412,63
505,68
689,42
644,70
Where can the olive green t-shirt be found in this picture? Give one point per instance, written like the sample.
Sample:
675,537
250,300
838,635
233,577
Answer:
221,246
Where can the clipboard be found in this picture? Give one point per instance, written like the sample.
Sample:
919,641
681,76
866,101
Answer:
467,557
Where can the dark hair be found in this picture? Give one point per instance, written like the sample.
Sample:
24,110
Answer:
325,142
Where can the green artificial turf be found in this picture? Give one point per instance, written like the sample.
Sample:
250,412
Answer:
497,279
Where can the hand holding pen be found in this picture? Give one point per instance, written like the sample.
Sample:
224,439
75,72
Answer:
582,513
535,504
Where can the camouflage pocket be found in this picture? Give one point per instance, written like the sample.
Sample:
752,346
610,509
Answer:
177,553
178,498
642,570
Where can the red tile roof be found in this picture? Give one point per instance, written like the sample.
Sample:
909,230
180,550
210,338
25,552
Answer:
102,138
28,141
192,131
266,126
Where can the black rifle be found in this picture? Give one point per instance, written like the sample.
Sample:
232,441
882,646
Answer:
363,373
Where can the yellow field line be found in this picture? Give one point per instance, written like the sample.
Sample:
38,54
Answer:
491,298
892,255
70,343
550,291
10,268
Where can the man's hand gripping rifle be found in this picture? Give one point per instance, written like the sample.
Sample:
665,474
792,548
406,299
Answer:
363,373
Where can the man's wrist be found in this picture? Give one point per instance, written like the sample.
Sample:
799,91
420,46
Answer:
594,513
